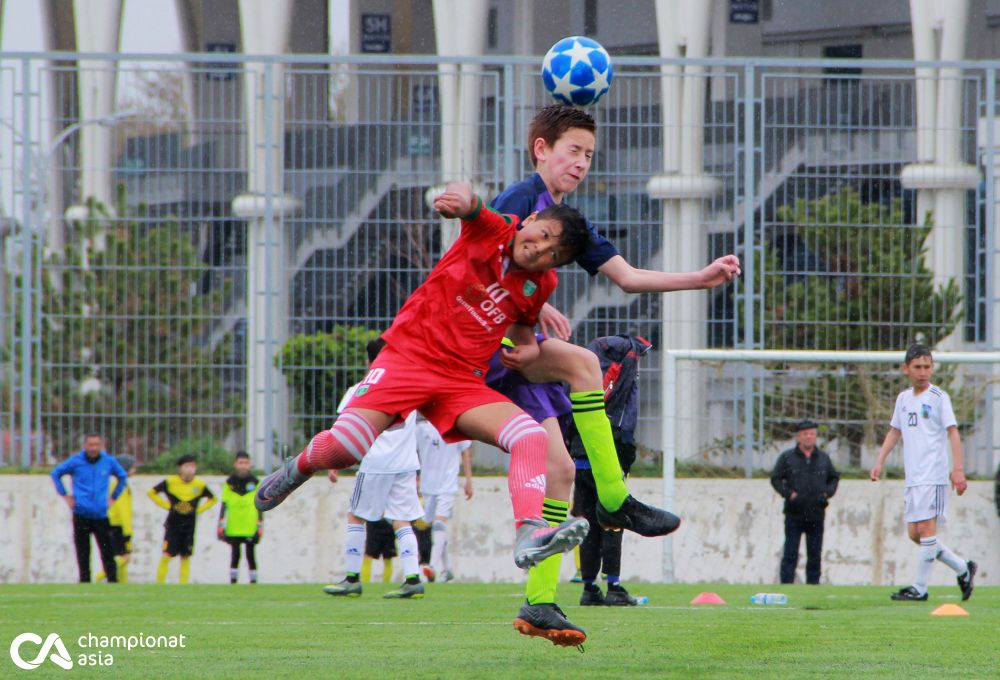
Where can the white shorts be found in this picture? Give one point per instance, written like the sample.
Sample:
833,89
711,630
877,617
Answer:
925,502
438,505
392,496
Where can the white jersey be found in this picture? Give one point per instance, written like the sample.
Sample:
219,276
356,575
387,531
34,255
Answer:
439,461
924,420
395,450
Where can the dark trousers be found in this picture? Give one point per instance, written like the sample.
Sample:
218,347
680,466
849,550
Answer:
795,526
234,552
83,527
601,547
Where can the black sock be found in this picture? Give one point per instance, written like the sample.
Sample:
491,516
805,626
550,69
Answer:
412,580
352,578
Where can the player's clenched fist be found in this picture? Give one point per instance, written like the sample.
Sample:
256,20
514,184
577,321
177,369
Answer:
456,201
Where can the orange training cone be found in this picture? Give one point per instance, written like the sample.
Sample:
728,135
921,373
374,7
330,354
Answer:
708,598
949,610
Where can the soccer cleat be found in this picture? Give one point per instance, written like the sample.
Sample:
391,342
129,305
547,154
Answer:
445,576
429,573
618,597
277,485
407,591
909,593
592,598
965,582
576,577
549,621
536,540
344,588
636,516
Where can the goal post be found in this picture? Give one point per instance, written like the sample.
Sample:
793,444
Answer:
767,390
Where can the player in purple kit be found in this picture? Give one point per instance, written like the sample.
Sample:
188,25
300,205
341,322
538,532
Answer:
561,142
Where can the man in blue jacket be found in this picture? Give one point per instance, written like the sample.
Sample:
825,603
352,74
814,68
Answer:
91,470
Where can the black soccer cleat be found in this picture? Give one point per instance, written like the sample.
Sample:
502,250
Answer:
549,621
965,582
909,593
636,516
592,597
618,597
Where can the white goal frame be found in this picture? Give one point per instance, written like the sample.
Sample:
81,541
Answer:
668,398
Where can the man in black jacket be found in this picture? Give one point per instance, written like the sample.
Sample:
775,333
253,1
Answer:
805,477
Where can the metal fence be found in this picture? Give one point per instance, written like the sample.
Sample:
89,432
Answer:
134,312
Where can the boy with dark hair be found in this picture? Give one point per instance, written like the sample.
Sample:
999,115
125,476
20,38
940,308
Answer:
493,281
924,420
240,523
181,495
561,142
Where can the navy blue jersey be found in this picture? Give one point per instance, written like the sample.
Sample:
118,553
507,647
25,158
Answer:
531,195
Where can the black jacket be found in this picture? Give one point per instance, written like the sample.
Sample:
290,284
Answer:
814,479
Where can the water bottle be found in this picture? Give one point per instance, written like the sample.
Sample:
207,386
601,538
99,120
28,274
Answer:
769,598
642,599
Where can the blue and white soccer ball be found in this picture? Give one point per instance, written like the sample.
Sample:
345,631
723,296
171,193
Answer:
577,71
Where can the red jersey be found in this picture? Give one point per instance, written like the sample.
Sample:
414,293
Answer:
459,315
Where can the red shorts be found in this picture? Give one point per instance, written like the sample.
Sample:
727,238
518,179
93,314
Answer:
398,384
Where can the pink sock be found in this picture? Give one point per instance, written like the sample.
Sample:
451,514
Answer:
527,444
343,445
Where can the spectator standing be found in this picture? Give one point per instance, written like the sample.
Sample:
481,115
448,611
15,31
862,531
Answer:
806,478
91,470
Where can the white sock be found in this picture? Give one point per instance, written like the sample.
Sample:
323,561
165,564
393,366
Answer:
409,553
234,574
439,548
928,552
253,576
354,548
956,563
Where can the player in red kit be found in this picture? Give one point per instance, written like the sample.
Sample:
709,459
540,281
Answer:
493,281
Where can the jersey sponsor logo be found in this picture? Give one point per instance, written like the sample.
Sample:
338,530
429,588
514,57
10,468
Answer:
60,656
483,303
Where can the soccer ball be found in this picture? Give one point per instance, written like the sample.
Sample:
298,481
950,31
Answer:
577,71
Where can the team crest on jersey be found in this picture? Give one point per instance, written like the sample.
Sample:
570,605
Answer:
361,390
925,410
529,288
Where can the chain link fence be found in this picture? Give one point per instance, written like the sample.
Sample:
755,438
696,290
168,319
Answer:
138,302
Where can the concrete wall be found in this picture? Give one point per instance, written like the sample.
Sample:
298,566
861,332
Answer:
732,533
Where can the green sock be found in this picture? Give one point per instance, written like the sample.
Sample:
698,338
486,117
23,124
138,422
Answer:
544,578
595,432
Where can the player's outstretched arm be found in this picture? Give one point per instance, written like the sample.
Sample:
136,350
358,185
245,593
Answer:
957,476
633,280
891,439
458,200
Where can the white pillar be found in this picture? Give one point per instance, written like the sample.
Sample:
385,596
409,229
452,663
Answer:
266,26
940,176
683,28
460,30
98,29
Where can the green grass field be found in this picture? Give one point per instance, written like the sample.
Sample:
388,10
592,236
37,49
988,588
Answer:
464,631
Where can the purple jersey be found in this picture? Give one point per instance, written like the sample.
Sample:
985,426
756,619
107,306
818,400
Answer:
538,400
529,195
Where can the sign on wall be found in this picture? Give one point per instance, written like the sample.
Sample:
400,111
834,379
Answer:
376,33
